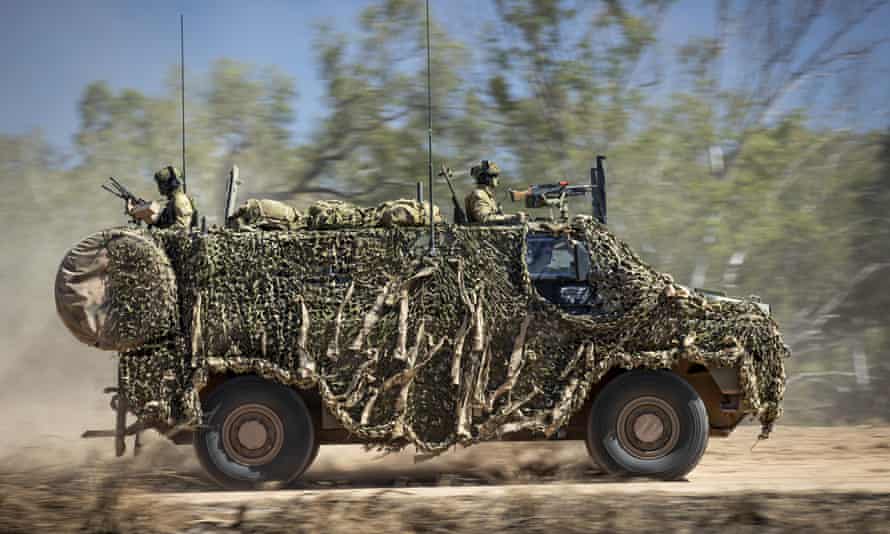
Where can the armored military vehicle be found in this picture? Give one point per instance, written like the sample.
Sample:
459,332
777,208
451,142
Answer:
258,345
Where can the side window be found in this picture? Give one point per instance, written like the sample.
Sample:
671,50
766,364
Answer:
552,258
559,269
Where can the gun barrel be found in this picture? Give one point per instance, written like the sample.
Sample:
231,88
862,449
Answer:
445,172
124,192
112,191
576,190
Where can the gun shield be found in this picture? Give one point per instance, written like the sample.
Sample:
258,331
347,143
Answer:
232,191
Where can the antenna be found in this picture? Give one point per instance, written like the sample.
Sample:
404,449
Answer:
429,122
182,94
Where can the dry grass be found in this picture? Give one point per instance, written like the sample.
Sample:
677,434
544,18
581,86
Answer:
505,487
95,499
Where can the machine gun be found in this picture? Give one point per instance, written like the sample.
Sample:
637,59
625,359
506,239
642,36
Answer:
142,206
550,195
459,216
554,195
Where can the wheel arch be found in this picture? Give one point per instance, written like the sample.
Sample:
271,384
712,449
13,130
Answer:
722,401
310,396
719,389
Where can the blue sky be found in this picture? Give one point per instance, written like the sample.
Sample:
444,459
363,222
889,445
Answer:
53,48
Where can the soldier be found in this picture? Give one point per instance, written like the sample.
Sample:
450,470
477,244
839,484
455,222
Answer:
481,205
179,210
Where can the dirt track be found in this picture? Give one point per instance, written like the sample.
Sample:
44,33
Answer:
823,479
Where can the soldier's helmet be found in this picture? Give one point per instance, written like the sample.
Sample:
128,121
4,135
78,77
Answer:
168,179
486,173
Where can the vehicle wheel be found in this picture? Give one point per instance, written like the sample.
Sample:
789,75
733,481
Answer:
648,423
257,432
314,455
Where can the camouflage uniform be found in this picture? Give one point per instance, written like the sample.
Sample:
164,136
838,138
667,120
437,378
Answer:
178,212
480,205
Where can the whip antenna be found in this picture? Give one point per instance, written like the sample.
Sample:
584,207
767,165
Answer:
429,122
182,93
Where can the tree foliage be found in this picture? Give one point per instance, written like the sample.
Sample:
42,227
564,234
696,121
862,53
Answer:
737,161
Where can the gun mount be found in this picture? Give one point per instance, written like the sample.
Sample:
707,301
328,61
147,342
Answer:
554,195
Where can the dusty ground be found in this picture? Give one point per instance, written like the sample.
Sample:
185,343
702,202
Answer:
802,479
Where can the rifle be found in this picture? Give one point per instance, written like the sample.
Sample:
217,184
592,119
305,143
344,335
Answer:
550,195
459,216
117,189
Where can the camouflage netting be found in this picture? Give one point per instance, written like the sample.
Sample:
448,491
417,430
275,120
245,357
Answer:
408,349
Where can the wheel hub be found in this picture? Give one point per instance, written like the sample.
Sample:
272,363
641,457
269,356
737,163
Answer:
253,434
648,428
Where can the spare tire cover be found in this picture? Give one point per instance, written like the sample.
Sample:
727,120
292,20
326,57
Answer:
116,290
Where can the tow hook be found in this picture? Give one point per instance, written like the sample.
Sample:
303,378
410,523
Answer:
120,405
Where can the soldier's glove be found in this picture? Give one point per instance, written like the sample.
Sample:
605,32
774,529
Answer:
144,211
521,217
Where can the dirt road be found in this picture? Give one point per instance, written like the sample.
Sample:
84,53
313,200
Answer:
818,479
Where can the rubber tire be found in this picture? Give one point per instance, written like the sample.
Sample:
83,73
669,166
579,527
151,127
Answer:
602,441
299,435
315,448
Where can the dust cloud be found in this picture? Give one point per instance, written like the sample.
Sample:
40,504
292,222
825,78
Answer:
50,384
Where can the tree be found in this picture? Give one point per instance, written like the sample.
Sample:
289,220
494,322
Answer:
372,144
736,161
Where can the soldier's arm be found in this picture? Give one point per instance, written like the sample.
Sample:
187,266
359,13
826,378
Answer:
488,212
479,207
148,212
513,218
182,211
